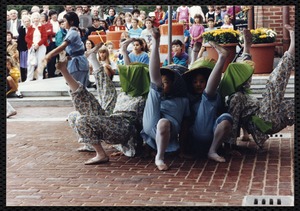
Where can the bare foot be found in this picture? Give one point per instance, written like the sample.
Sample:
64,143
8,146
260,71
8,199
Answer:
161,165
291,49
97,160
86,148
216,157
221,51
114,154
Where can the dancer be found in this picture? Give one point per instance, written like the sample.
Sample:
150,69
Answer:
166,106
78,64
272,113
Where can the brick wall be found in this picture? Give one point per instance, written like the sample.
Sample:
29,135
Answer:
272,17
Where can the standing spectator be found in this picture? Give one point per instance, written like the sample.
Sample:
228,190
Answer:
95,27
51,45
135,31
128,18
34,9
196,10
78,63
111,16
187,36
23,12
36,38
227,22
13,24
67,8
22,46
46,9
210,13
183,13
196,32
159,15
78,10
85,20
12,48
223,11
147,32
95,11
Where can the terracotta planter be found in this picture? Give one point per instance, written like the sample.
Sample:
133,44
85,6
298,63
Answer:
212,53
263,56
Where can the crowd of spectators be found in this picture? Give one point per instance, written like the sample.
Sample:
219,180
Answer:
23,43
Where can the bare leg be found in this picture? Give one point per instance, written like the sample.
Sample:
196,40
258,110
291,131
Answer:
162,141
100,157
291,49
223,129
245,136
62,65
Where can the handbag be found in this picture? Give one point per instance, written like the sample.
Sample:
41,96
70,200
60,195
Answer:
32,59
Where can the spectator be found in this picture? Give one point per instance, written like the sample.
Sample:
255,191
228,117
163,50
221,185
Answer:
196,32
147,32
111,16
210,13
45,10
67,8
34,9
104,24
85,19
142,18
223,11
128,18
95,27
118,22
210,27
178,55
109,66
13,24
183,13
22,46
135,31
159,15
36,38
12,48
95,11
196,10
218,18
227,22
187,36
78,10
136,14
137,55
12,77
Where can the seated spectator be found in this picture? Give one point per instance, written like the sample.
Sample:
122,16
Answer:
227,23
12,78
179,56
210,13
95,27
137,55
135,31
104,24
128,18
147,32
111,16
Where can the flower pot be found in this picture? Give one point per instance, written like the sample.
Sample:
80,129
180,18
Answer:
263,56
212,53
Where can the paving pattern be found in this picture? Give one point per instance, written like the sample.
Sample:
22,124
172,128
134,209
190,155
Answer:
44,169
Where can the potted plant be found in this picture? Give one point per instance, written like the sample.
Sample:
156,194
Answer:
228,38
263,46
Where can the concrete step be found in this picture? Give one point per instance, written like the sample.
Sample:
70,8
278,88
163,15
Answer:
54,92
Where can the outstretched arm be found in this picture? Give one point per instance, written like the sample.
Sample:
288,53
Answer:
123,50
154,64
216,74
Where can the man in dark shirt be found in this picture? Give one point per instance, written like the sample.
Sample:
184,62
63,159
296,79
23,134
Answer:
95,27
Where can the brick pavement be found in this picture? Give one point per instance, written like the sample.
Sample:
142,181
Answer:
44,169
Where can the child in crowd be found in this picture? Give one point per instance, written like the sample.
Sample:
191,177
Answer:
208,129
111,51
13,76
109,66
128,18
218,18
227,22
210,27
179,56
187,36
78,64
147,32
135,31
183,13
166,106
210,13
196,31
138,53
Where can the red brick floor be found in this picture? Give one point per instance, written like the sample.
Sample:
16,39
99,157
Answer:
44,169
